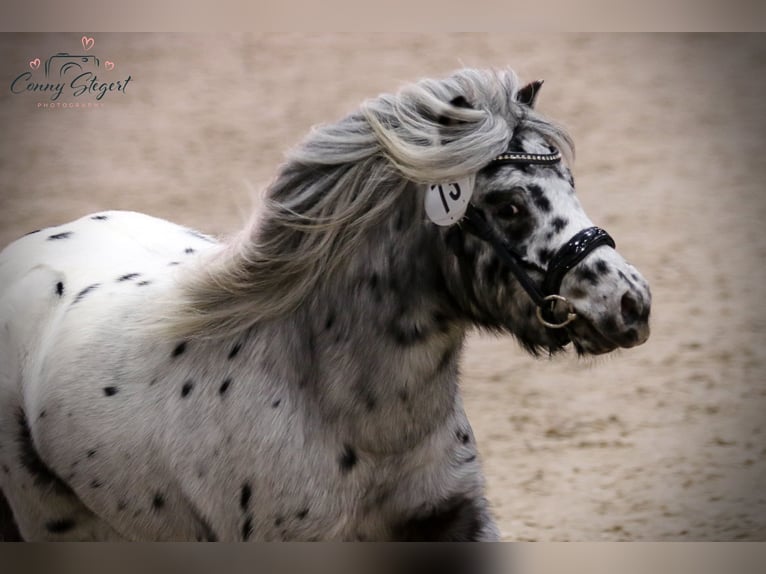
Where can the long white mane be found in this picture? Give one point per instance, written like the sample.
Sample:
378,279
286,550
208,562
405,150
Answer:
342,179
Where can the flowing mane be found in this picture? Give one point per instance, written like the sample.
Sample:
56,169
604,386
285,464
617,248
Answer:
343,179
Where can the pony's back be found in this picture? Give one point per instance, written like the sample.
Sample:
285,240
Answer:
47,271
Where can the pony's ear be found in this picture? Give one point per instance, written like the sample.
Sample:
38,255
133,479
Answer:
528,94
458,102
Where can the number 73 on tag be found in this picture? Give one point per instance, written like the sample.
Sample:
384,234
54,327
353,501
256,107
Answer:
447,202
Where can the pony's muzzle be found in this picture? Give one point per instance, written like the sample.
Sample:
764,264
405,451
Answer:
633,329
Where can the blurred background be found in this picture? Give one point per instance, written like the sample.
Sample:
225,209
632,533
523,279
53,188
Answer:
663,442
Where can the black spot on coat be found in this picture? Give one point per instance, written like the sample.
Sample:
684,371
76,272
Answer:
187,388
347,459
208,534
81,295
180,348
457,519
100,217
244,496
365,394
110,391
602,267
60,525
224,387
234,350
30,459
59,288
558,224
247,528
158,501
625,278
63,235
587,274
539,198
128,277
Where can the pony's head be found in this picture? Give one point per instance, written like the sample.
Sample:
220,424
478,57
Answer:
521,255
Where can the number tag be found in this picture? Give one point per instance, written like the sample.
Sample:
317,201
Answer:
446,203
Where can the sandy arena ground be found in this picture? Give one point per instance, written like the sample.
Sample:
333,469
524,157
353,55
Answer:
663,442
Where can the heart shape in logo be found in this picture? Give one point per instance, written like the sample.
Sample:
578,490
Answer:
109,65
34,64
87,43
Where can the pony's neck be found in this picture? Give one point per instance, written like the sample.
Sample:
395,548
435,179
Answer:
381,340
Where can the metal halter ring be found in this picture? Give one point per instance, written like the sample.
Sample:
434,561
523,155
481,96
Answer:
571,315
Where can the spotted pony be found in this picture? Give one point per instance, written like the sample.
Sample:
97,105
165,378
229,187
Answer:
300,380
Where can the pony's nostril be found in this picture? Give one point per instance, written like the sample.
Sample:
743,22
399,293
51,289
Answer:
631,309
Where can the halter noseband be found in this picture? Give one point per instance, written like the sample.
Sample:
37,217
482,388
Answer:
567,256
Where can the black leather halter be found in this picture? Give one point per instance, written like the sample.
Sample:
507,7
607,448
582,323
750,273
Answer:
568,255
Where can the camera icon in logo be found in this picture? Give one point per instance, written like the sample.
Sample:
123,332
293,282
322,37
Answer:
64,63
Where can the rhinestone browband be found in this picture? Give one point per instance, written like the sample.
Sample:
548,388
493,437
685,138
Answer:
537,158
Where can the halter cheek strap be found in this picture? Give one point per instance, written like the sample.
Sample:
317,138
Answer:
568,255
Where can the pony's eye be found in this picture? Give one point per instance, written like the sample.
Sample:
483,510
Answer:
507,203
507,211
